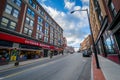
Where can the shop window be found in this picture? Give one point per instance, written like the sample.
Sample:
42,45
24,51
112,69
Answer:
15,13
17,2
12,25
4,22
30,12
8,9
25,30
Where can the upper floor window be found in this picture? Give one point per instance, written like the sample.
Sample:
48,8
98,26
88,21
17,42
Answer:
46,25
38,36
30,12
17,2
32,4
39,27
8,23
29,21
15,13
40,20
12,11
42,13
8,9
12,25
4,22
112,9
27,31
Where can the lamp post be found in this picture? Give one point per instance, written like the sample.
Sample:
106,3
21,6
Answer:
94,49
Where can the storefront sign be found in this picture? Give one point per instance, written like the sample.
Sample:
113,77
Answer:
17,39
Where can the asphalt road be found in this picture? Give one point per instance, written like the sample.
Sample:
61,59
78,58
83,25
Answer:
66,67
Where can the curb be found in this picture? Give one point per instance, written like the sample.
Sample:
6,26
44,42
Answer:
92,68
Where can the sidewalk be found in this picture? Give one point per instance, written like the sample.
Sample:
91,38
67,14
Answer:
108,70
11,64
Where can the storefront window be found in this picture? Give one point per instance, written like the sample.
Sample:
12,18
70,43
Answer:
109,45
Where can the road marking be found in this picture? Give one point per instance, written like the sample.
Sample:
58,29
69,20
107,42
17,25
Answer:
43,65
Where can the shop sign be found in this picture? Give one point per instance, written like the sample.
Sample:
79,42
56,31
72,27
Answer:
17,39
31,42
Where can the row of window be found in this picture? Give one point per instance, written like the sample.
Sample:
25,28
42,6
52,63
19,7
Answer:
31,2
11,10
27,31
29,21
17,2
8,23
30,12
38,36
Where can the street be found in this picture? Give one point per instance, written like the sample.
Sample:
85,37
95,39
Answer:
66,67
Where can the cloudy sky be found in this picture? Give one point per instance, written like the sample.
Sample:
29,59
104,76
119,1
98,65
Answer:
76,25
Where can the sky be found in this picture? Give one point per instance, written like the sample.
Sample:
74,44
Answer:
76,25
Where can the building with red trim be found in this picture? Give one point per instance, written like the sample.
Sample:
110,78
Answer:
25,25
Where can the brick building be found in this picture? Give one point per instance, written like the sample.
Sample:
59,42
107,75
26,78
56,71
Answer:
25,25
108,36
86,44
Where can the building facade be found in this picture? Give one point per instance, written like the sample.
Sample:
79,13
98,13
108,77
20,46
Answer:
108,15
86,44
26,26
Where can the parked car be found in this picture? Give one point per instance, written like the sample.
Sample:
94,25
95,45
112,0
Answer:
86,53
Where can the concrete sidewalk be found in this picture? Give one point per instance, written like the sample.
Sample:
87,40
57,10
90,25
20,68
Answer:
11,64
109,70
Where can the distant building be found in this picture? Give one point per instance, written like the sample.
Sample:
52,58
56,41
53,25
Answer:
86,44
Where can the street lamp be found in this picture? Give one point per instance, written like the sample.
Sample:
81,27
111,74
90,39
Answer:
94,49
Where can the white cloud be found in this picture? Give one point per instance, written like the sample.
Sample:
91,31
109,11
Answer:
75,25
68,4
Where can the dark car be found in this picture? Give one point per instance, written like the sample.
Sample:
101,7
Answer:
85,53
